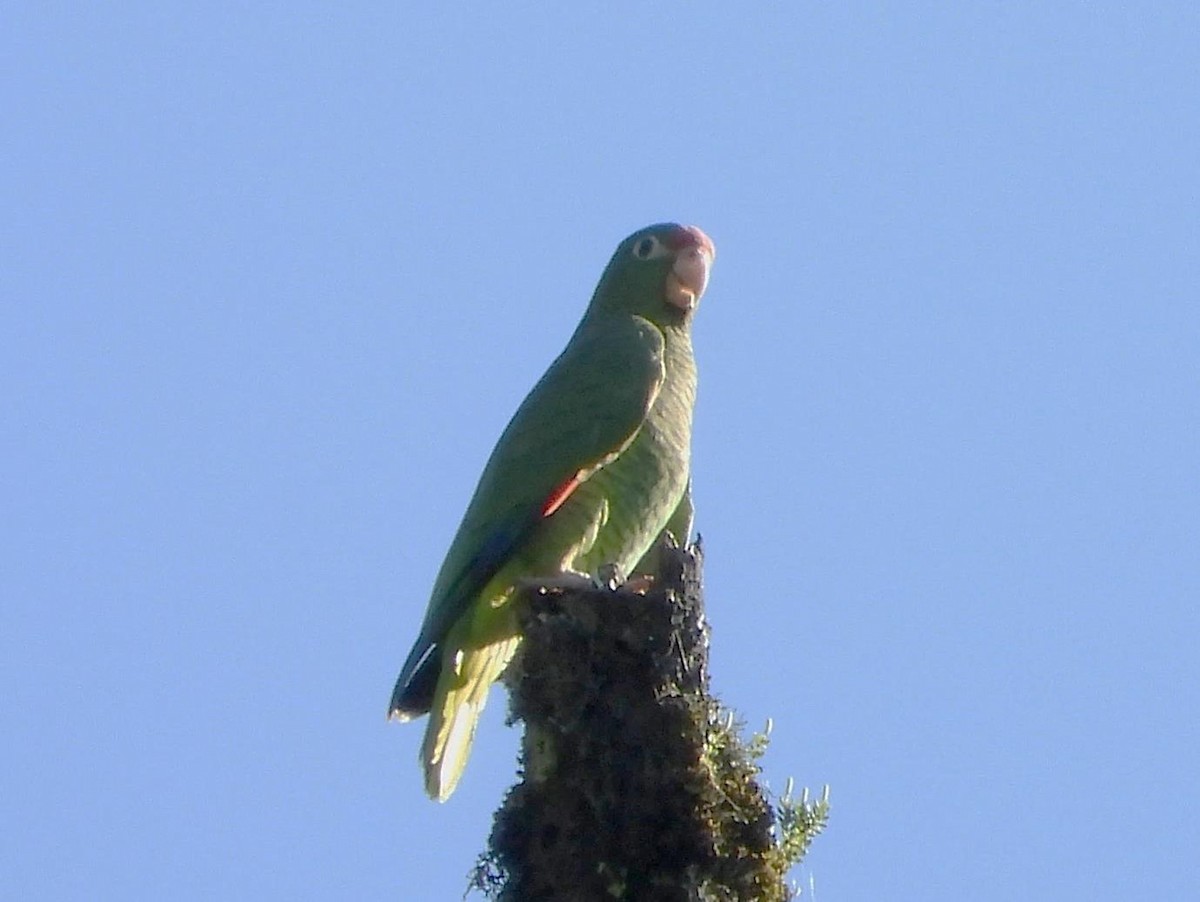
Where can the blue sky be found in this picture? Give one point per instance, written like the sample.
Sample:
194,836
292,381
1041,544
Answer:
274,278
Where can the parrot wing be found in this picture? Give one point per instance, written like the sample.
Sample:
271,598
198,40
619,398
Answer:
579,417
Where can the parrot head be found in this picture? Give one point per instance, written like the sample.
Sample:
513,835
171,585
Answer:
658,272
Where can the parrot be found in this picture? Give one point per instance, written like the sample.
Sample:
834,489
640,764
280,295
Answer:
592,468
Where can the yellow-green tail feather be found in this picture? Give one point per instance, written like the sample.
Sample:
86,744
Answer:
467,675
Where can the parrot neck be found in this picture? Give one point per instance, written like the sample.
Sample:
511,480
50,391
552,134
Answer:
679,338
680,363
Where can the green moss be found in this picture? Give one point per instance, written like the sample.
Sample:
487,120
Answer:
635,781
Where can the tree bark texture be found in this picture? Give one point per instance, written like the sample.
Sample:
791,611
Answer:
634,783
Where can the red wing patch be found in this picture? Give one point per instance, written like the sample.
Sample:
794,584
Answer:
561,494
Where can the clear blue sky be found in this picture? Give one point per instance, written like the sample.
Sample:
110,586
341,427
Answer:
274,276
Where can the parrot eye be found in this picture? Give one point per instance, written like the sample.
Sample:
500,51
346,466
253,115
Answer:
645,249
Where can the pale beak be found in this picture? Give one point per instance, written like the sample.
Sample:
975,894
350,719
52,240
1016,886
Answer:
689,275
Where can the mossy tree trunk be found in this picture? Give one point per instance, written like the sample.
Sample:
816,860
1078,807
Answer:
635,784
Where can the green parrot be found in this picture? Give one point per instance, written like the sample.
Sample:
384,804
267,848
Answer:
589,472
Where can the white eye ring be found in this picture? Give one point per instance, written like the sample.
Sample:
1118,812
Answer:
648,248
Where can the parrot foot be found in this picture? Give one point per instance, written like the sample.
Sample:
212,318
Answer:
639,585
609,577
563,582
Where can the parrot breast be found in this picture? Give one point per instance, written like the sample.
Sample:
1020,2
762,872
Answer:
641,489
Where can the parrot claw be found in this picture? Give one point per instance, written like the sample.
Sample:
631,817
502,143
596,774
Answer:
608,577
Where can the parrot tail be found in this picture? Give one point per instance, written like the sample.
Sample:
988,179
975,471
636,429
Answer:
462,690
413,695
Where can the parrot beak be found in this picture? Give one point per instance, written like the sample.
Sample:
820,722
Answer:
694,254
